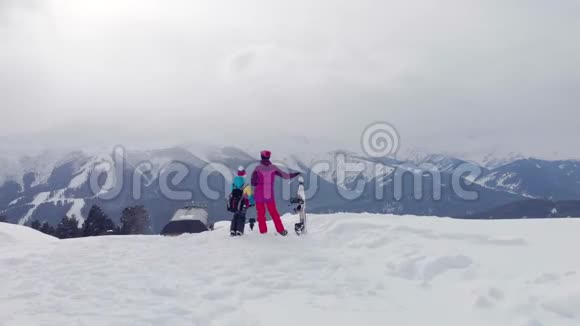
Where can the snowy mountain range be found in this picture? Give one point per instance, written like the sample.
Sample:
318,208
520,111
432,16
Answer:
53,184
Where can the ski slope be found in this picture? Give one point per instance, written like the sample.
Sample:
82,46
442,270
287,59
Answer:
352,269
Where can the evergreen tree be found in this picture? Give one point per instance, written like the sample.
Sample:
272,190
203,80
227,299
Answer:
47,229
68,228
36,225
135,220
97,223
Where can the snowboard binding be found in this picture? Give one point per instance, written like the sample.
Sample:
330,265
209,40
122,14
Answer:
297,201
299,228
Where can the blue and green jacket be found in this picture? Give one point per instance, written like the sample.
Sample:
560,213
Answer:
240,183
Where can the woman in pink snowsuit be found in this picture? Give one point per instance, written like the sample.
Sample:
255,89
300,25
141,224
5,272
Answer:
263,179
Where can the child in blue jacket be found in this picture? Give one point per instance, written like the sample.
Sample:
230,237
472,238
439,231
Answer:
239,219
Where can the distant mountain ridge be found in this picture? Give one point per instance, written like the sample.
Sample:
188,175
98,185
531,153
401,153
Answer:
533,178
51,185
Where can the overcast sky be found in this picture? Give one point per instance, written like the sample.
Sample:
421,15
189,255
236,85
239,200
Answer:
451,75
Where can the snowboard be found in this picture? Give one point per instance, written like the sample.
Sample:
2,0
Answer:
300,201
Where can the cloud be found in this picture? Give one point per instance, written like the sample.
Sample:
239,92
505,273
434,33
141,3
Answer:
450,75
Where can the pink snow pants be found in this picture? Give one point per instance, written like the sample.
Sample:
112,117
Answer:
261,210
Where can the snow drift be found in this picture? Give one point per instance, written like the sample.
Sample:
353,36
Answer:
350,269
14,235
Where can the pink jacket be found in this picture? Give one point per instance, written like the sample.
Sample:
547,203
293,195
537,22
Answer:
263,179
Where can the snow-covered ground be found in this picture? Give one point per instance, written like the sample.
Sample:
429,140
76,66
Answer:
350,270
